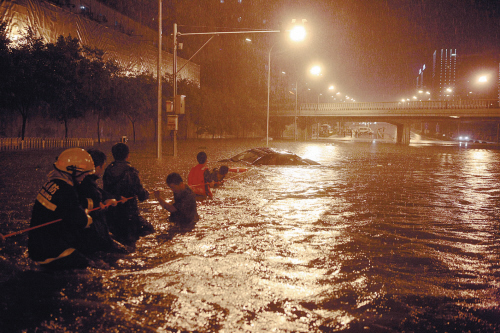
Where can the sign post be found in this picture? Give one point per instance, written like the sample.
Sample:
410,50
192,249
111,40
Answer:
173,125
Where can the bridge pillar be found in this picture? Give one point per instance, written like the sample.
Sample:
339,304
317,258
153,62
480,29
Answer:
403,134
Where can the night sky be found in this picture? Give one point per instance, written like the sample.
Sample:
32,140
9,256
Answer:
372,49
369,49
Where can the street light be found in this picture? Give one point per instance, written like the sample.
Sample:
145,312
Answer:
175,71
297,33
158,74
315,70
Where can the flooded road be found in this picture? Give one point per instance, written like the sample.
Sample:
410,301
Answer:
378,238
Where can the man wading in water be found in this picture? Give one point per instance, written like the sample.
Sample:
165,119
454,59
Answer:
183,211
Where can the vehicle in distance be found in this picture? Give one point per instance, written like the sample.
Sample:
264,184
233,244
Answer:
364,130
325,130
269,156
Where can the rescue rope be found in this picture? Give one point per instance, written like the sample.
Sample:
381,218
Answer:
2,237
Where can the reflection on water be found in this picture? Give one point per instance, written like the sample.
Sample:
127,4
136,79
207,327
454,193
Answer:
378,238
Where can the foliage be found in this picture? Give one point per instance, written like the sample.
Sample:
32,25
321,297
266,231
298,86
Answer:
99,85
64,80
23,82
136,97
67,81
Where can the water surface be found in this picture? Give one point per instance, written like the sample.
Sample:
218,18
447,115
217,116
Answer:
378,238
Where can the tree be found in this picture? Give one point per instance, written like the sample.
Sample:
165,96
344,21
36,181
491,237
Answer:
23,88
64,77
98,85
194,102
5,71
136,98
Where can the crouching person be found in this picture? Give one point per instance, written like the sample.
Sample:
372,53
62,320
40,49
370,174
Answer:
216,177
183,210
56,245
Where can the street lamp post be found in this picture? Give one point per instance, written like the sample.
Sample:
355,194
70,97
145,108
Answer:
296,109
158,74
268,93
296,34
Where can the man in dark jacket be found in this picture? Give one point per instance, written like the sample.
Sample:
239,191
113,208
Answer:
122,180
91,196
56,245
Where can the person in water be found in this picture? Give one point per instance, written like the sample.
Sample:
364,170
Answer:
122,180
56,246
183,210
196,177
216,177
91,196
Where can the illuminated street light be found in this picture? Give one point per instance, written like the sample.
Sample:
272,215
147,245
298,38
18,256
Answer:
298,33
315,70
296,36
175,71
483,79
331,88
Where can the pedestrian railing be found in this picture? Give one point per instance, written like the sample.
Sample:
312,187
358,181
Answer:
44,143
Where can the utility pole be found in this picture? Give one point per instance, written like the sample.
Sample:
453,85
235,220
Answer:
158,74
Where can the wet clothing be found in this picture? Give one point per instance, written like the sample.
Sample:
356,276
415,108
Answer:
185,203
197,182
121,179
97,236
57,199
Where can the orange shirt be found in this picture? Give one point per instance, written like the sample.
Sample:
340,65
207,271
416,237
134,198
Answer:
196,180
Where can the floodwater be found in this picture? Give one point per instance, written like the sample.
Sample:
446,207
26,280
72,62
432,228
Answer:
378,238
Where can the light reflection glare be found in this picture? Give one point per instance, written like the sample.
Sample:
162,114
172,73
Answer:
313,153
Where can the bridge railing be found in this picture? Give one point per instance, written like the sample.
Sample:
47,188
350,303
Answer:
416,105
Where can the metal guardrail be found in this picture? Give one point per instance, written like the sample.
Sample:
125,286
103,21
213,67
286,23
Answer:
410,105
44,143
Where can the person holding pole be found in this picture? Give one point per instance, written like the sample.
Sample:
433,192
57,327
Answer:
91,196
196,178
122,179
56,246
183,210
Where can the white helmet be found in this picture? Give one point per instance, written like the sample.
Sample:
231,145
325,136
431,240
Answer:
75,161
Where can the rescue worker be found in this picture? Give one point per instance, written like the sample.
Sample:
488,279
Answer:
121,179
91,196
196,178
182,210
56,245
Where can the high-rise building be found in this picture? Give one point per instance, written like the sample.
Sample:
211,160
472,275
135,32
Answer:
444,63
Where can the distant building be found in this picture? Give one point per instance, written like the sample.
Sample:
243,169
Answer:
132,45
444,66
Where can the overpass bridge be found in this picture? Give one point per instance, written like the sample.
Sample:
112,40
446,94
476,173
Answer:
401,114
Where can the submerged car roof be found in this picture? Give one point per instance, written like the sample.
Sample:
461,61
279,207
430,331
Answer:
267,150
